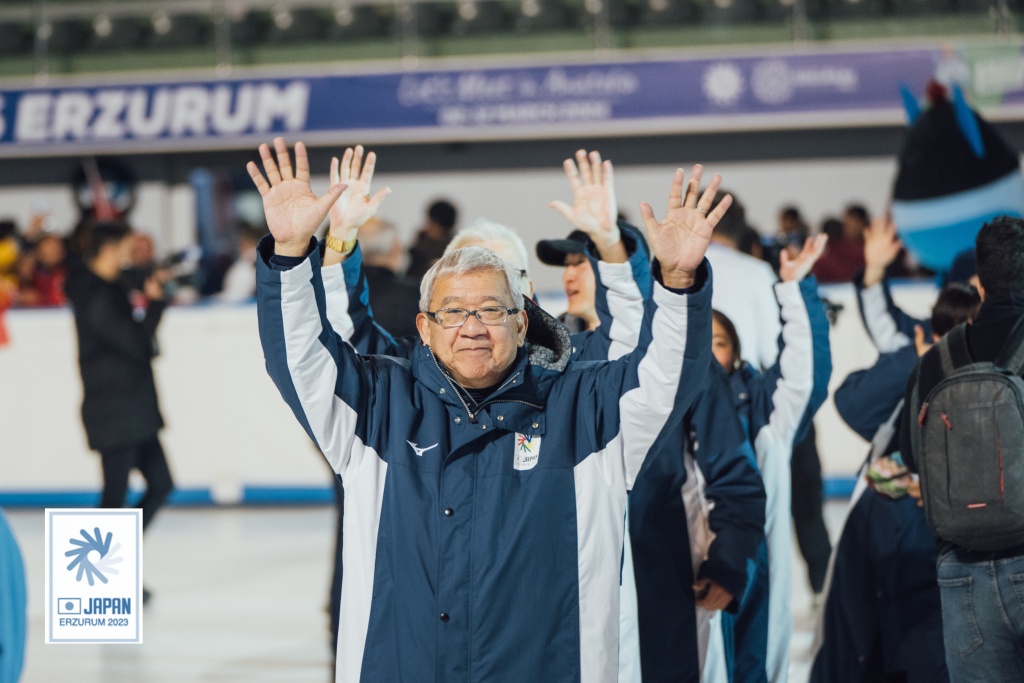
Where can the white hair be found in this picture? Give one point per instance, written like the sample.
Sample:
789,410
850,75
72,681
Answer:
469,260
483,230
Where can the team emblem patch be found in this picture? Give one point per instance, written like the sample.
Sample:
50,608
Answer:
527,451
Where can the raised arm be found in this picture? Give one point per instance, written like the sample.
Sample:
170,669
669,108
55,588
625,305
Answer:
345,283
666,370
355,206
621,265
786,397
324,382
888,326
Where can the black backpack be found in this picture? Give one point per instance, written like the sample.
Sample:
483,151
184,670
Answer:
968,442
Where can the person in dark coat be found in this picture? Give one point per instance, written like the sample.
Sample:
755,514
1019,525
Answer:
116,346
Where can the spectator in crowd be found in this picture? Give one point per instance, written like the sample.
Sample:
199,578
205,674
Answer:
240,278
395,299
143,254
432,239
43,271
577,279
845,253
9,254
792,232
743,290
978,587
116,346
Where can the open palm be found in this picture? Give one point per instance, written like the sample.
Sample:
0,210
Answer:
594,209
680,240
355,206
293,212
796,268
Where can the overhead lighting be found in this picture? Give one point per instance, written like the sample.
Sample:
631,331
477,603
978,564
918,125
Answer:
468,10
592,6
530,8
657,5
44,31
282,18
162,23
103,26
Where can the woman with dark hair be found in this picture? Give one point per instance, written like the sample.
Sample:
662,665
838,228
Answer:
116,346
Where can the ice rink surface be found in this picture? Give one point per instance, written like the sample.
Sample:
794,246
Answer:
240,595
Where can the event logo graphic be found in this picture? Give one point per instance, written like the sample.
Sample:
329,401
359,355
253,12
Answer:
93,575
723,84
94,558
527,451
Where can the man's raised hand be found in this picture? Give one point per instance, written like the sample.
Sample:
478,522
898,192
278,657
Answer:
594,209
293,212
680,240
355,206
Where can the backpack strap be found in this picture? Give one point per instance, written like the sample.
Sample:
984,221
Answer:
1011,356
955,352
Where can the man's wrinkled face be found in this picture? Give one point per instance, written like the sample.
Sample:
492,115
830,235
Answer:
477,355
580,286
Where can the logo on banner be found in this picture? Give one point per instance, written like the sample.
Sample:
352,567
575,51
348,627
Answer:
93,576
776,82
527,451
723,84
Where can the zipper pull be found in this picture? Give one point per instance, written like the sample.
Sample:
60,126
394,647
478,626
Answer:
922,415
945,421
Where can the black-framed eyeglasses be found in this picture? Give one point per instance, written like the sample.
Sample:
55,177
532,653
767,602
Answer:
456,317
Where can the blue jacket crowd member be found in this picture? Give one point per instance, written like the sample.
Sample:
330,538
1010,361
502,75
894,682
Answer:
625,267
776,408
672,502
982,613
881,620
482,543
696,518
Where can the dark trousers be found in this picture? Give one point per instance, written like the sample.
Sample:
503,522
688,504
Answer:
147,457
339,492
811,534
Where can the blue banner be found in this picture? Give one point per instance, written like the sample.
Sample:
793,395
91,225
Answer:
614,98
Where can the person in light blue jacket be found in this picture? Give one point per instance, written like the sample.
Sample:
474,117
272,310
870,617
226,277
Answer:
485,479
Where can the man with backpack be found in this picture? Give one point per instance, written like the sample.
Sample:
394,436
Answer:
963,431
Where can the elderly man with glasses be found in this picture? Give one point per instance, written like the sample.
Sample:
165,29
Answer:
483,541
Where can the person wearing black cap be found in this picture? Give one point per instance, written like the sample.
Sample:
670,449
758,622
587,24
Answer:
577,279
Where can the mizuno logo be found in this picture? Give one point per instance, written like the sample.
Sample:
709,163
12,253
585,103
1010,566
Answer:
420,451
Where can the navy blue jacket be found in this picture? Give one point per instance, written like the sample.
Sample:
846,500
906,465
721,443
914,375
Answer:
484,545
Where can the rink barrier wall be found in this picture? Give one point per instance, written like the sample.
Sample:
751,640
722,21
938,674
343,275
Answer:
230,439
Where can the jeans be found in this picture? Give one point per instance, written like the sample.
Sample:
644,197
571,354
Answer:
982,617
